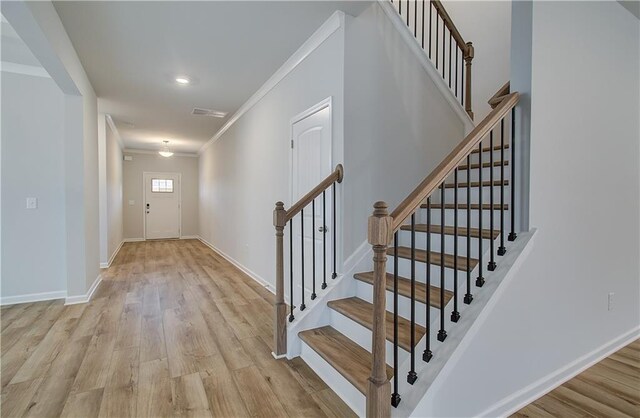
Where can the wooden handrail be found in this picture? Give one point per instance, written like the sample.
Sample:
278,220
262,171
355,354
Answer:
455,157
450,25
500,95
336,175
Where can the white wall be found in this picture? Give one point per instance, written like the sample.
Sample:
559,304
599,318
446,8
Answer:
114,189
38,24
133,190
33,254
487,24
398,126
245,172
585,144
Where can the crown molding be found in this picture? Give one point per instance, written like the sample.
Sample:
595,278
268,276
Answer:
152,152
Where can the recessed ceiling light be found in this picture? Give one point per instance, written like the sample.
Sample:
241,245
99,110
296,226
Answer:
183,80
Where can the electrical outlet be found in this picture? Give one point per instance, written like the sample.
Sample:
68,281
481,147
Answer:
610,301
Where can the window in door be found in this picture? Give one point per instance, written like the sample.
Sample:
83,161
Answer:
161,185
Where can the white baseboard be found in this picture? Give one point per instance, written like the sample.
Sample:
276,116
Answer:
546,384
237,264
133,239
113,256
32,297
189,237
72,300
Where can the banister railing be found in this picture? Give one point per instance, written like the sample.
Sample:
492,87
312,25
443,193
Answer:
384,229
500,94
282,217
441,40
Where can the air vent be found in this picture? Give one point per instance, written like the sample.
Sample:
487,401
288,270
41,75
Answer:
208,112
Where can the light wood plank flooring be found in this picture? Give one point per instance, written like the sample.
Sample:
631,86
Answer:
610,388
173,330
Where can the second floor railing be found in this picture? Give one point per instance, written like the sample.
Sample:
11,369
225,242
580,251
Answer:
435,31
285,217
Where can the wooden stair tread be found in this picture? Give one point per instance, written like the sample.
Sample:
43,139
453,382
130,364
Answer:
348,358
361,312
474,206
449,230
486,149
404,288
496,183
484,165
435,258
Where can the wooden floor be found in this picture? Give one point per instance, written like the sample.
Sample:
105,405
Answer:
173,330
610,388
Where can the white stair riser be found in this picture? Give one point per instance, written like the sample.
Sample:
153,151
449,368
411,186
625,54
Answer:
475,195
404,270
404,239
362,336
365,292
341,386
462,218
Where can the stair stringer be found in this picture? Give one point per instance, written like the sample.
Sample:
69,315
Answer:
318,314
448,353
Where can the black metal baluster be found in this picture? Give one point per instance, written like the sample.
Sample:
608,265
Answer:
422,24
455,315
430,25
442,334
412,376
512,180
457,68
313,247
468,298
492,262
415,19
450,37
333,220
502,249
395,397
437,34
302,305
427,354
462,81
408,13
444,27
400,7
480,279
291,317
324,240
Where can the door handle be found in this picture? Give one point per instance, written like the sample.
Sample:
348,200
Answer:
322,229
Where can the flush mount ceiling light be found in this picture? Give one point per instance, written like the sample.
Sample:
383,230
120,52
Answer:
165,151
183,80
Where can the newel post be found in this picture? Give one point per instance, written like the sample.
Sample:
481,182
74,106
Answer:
379,236
280,314
468,57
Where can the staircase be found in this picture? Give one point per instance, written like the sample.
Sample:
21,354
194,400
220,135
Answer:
431,254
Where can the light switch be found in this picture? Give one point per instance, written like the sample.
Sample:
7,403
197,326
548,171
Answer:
132,202
32,202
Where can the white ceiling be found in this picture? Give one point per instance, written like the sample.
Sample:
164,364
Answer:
132,51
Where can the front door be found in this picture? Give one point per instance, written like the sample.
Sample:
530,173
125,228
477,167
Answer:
162,205
311,163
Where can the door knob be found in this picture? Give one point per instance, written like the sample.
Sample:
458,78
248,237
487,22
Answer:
322,229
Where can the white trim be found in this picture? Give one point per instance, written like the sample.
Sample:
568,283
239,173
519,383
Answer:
144,200
73,300
133,240
32,297
335,21
189,237
32,70
239,266
152,152
426,63
544,385
113,256
114,128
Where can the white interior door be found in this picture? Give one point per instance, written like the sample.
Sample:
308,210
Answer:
311,163
162,205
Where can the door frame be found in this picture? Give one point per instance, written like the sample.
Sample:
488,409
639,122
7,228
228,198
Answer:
326,103
144,200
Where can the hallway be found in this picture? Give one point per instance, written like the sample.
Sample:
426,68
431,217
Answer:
173,330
